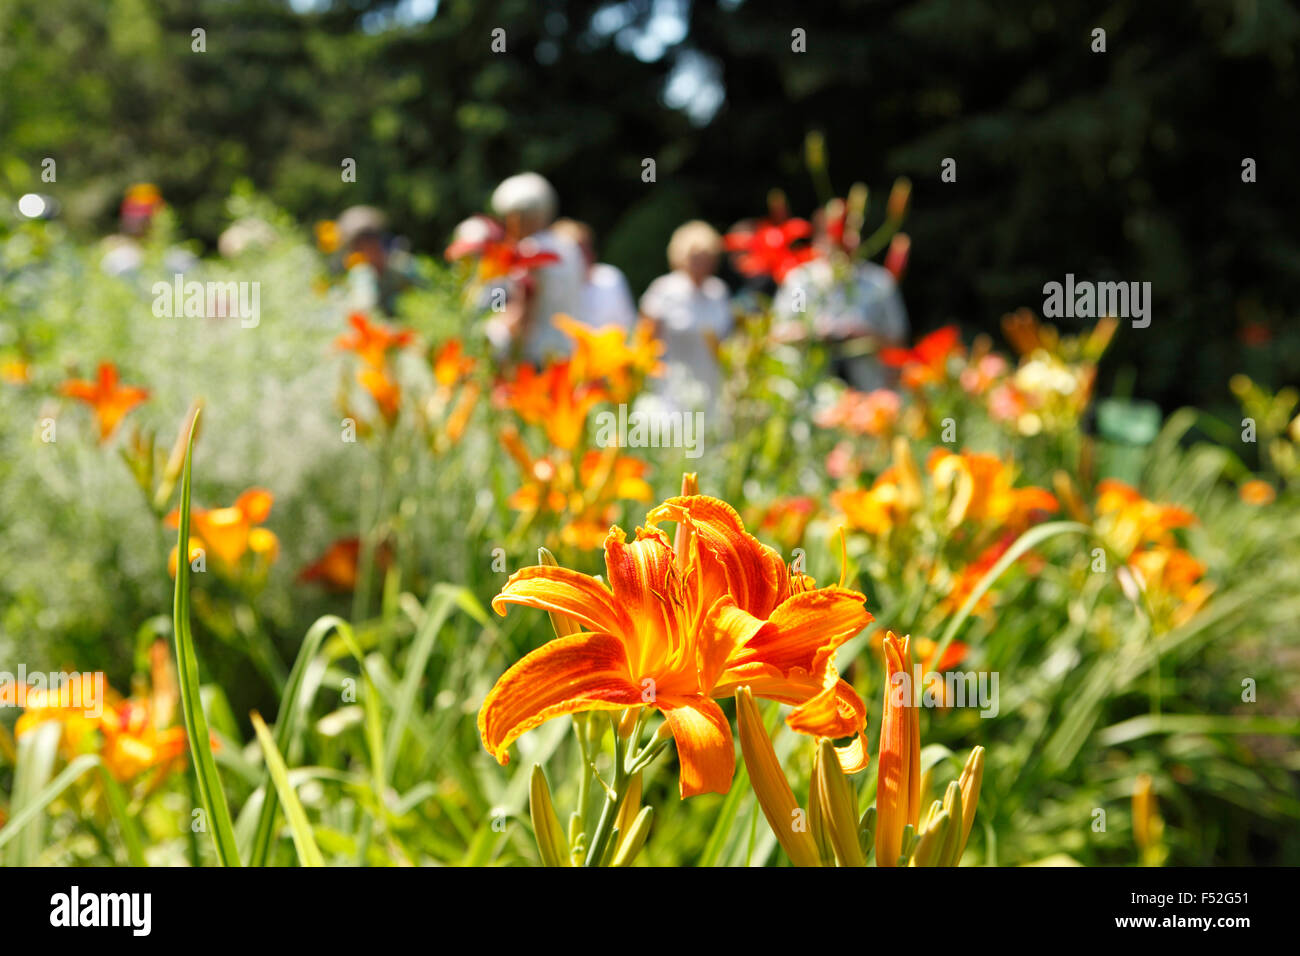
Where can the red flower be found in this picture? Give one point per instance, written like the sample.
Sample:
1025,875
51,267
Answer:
768,249
928,360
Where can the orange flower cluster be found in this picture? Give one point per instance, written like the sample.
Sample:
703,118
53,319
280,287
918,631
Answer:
568,479
372,342
1141,532
131,735
970,498
230,534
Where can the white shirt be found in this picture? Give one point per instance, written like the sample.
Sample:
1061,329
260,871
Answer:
557,290
845,301
691,317
606,299
845,304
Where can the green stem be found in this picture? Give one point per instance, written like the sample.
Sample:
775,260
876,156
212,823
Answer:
613,804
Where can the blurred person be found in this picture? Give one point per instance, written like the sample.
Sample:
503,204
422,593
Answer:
124,250
526,204
378,268
852,306
606,298
245,235
692,314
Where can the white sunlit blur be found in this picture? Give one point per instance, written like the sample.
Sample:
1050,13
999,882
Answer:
32,206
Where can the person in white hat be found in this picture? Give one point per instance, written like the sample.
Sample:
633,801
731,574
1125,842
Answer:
527,205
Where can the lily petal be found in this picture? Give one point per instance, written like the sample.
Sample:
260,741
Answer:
571,593
569,674
704,746
805,631
739,564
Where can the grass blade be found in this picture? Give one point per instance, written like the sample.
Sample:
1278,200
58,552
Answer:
292,707
1034,536
299,825
187,665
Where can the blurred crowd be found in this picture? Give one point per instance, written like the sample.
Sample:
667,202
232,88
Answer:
527,265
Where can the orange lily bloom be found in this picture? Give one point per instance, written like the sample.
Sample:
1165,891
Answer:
612,354
372,341
1257,492
229,533
677,627
337,567
450,364
129,739
1128,521
133,744
927,362
110,400
554,400
892,498
982,490
385,391
73,706
15,371
898,766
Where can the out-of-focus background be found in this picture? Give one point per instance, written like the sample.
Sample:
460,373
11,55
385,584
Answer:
142,139
1123,165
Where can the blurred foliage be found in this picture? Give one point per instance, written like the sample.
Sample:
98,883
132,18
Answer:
1123,165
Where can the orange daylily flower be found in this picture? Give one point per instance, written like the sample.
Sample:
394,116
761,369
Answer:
109,399
678,626
229,533
133,743
1128,521
954,655
786,519
372,341
555,400
927,361
1174,582
1256,492
451,364
129,739
76,706
385,391
874,510
981,487
892,498
603,477
15,371
898,765
497,256
612,354
337,567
